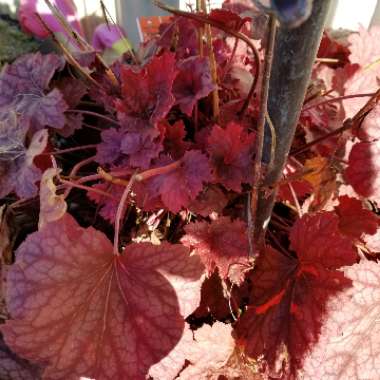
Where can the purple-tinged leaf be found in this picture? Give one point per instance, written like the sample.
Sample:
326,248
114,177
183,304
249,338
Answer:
23,85
109,149
141,148
192,83
12,367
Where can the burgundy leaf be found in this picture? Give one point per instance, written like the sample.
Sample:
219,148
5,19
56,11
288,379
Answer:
231,151
192,83
146,93
214,299
354,220
332,48
181,185
288,301
228,19
107,205
141,148
212,199
82,311
363,171
349,345
174,143
185,31
219,244
23,85
72,90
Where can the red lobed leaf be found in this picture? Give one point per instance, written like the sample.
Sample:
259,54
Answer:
181,185
354,220
174,143
363,171
228,19
146,93
107,206
288,301
349,346
231,151
332,48
82,311
220,244
141,148
192,83
185,32
211,200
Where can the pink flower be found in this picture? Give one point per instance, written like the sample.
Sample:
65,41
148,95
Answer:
106,35
31,24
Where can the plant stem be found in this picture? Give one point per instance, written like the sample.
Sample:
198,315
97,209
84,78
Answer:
76,169
69,150
83,187
67,53
262,118
337,99
95,114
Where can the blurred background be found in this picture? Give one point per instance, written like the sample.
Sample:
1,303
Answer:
134,15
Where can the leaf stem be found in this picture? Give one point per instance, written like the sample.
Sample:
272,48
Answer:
120,212
76,169
157,171
139,177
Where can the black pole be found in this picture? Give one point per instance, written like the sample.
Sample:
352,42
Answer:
294,55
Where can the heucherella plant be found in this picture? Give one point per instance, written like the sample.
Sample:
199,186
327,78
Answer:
126,223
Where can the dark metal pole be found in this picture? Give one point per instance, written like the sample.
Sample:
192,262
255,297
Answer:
294,54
